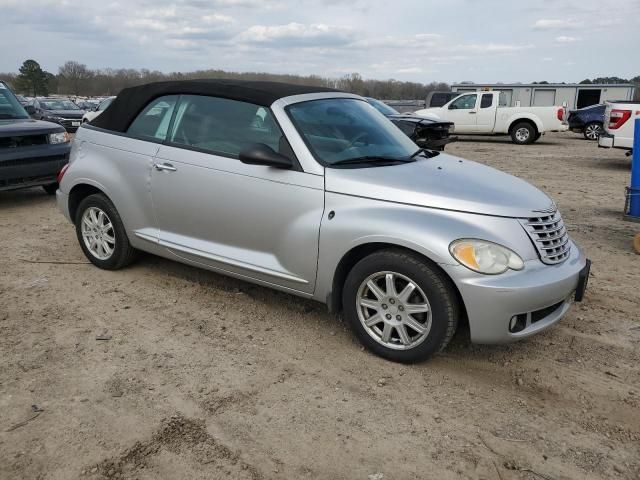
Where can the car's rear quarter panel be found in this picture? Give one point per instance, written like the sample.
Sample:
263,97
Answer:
120,167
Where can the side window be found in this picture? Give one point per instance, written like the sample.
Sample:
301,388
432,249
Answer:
225,127
486,101
465,102
153,122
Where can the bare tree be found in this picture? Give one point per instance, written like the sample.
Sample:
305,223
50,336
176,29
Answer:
73,76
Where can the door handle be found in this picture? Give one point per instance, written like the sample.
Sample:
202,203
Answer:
164,166
472,113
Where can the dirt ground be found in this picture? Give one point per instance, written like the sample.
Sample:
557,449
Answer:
203,376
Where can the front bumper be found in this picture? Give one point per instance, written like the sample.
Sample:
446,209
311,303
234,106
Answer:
542,293
436,143
32,166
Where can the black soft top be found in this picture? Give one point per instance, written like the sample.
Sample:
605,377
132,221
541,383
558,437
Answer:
131,101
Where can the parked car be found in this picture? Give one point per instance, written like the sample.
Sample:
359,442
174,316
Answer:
58,110
88,116
85,105
32,152
619,124
425,132
325,199
588,120
23,101
480,113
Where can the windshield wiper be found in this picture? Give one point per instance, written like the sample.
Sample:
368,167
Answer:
373,159
427,153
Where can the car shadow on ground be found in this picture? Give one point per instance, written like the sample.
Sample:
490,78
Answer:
502,139
622,163
460,346
24,197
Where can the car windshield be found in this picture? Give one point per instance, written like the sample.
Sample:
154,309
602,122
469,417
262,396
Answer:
382,107
339,130
106,103
58,105
9,106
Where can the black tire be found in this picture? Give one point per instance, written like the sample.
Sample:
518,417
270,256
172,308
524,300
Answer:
523,133
123,253
439,291
592,131
50,188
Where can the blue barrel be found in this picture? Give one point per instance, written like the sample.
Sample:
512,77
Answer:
634,190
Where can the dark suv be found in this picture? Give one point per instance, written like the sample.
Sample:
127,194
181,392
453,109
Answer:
59,110
588,121
32,152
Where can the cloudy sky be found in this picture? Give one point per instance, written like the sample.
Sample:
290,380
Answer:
418,40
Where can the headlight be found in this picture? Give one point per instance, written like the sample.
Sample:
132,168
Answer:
485,257
452,128
62,137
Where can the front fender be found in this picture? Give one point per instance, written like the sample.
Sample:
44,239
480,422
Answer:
430,113
358,221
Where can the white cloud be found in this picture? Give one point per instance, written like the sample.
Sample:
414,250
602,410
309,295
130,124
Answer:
566,39
556,24
297,34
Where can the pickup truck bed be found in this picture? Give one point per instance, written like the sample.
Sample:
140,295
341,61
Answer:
619,121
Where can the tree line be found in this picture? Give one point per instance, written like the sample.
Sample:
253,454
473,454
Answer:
76,79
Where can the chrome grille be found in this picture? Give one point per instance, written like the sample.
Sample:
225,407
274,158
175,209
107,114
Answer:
549,236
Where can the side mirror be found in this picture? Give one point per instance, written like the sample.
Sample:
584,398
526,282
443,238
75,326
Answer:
30,109
261,154
453,107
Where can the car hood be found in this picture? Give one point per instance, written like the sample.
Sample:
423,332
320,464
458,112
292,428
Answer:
27,126
64,113
444,182
410,117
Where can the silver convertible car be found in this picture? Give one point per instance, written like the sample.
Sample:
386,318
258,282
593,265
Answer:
314,192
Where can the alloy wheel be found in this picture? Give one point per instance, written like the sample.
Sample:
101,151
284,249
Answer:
98,233
393,310
593,131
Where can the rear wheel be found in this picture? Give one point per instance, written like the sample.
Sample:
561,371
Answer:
101,233
523,133
399,306
592,131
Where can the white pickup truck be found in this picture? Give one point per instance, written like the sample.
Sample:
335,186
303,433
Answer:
480,113
619,120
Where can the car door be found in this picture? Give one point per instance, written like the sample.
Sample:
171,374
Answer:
486,113
462,111
251,221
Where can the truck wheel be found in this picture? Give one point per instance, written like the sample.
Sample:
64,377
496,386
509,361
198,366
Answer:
523,133
592,131
101,233
399,306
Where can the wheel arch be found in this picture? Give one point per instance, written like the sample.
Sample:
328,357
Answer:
357,253
78,193
528,120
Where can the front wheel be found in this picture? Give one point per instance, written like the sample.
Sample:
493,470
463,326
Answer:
400,306
101,233
592,131
523,133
